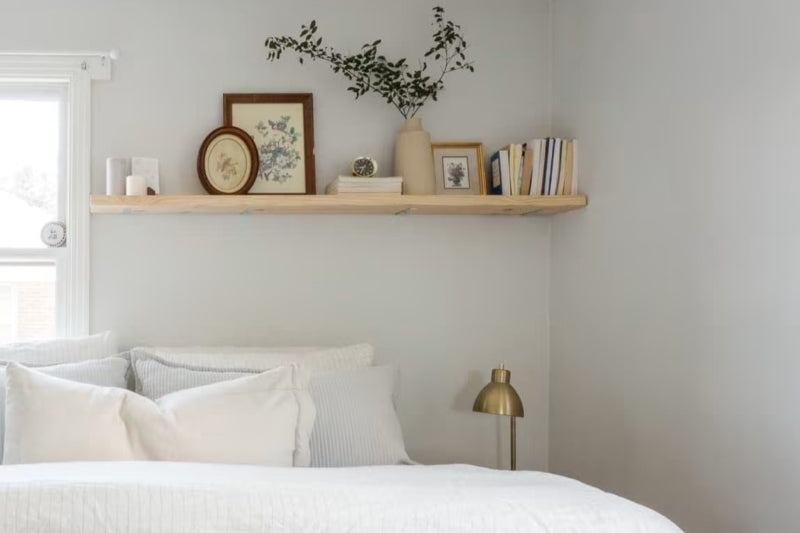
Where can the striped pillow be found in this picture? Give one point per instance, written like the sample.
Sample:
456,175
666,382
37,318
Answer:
356,422
258,359
56,351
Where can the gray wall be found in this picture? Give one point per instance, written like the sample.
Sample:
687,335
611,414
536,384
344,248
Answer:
675,295
445,298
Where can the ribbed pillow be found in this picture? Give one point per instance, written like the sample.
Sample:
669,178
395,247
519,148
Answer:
247,359
356,423
109,372
56,351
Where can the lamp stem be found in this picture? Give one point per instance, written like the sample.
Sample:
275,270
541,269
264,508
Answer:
513,443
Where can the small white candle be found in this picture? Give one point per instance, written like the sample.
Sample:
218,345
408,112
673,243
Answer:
136,186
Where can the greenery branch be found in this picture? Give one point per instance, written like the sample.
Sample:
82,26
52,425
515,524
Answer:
370,71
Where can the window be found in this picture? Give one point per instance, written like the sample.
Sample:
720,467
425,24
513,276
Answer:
44,176
32,193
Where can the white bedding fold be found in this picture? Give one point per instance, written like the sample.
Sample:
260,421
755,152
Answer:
198,498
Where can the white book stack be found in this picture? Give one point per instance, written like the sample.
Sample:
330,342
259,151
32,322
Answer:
356,185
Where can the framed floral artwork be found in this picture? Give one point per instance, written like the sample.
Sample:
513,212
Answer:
459,168
282,128
227,162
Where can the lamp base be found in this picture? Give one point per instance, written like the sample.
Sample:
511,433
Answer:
513,443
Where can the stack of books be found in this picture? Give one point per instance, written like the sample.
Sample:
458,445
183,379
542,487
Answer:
541,167
355,185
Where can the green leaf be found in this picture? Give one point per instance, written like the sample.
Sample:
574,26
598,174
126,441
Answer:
368,71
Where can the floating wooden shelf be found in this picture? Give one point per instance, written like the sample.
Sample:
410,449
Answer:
337,204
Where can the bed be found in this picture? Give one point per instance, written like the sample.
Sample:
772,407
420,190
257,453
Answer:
198,498
249,440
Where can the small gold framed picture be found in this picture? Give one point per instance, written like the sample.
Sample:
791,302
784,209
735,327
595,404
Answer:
459,168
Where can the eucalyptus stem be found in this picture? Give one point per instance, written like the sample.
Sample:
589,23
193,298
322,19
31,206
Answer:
370,71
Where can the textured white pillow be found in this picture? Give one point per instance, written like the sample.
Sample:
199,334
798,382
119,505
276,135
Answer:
55,351
108,372
264,419
356,423
260,358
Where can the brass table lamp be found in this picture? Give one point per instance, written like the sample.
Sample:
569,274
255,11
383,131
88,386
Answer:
500,398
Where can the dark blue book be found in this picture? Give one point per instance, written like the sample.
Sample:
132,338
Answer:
496,185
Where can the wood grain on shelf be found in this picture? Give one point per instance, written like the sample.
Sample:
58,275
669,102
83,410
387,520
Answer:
337,204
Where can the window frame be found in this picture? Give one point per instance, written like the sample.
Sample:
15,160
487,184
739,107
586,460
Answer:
77,70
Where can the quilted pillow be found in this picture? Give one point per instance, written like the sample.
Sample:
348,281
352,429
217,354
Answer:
255,359
56,351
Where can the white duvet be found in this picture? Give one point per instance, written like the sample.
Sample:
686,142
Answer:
198,498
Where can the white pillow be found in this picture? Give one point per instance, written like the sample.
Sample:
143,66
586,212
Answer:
264,419
356,423
55,351
108,372
250,359
261,358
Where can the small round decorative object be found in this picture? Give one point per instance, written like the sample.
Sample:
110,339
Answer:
54,234
228,161
364,167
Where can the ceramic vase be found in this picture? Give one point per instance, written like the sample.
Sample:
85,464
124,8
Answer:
413,159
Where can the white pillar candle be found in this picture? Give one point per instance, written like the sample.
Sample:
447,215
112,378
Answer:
117,168
136,186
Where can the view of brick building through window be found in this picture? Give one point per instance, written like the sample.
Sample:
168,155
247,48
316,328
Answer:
27,302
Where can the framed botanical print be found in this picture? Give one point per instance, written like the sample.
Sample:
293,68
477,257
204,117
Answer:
459,168
282,127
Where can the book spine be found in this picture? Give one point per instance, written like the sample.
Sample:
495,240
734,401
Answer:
548,166
570,167
505,172
496,185
512,166
574,167
543,150
520,166
527,169
556,168
562,177
534,144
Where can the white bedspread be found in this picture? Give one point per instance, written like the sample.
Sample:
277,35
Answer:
173,497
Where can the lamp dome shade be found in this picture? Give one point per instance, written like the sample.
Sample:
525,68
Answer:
499,397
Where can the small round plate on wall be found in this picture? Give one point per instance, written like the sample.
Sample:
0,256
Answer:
54,234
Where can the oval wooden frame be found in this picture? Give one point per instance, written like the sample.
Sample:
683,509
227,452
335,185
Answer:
251,149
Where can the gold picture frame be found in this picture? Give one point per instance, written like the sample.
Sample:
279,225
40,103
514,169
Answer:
459,168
